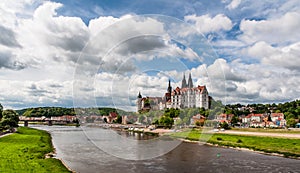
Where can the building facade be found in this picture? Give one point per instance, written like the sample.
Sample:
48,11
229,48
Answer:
187,96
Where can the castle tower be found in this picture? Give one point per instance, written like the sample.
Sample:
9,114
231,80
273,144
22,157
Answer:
183,83
169,87
190,81
169,91
139,102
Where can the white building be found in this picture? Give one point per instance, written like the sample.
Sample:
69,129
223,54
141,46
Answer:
187,96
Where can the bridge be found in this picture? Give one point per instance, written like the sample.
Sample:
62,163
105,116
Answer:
60,119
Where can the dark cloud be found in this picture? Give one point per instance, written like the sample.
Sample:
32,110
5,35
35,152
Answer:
36,91
7,61
8,38
74,44
141,44
55,86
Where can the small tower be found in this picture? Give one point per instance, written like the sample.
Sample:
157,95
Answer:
190,81
139,102
183,83
169,87
168,93
139,96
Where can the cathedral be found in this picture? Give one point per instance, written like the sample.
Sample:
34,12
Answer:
187,96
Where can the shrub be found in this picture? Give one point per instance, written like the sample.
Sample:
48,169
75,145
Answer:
239,141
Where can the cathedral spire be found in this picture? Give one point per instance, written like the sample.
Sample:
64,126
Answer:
139,96
190,81
183,83
169,87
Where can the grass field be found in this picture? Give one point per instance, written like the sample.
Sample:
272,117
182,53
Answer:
25,150
287,147
268,130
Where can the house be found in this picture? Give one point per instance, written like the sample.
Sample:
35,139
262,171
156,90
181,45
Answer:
257,117
197,118
246,119
112,116
224,118
277,116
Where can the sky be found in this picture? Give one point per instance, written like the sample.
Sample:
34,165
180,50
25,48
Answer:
103,53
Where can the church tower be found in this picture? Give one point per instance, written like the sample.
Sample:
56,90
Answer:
183,83
139,102
169,91
169,87
190,81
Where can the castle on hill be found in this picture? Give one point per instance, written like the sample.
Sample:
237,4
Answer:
187,96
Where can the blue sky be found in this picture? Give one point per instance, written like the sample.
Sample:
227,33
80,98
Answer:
102,53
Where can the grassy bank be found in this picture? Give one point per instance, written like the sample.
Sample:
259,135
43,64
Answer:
268,130
284,146
25,150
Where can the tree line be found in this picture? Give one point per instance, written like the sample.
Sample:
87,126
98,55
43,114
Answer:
60,111
8,119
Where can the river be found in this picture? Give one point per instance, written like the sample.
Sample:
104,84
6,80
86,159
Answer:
87,149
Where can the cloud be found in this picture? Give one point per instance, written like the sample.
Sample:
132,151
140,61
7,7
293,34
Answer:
234,4
280,30
7,60
39,48
206,23
8,37
287,57
20,94
278,57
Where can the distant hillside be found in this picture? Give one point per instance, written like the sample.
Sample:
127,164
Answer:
59,111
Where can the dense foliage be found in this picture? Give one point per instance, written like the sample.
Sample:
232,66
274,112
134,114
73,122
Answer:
8,119
59,111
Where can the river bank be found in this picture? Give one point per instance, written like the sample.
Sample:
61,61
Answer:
271,145
26,150
89,149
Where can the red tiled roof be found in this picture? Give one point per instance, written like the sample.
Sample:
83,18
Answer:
113,114
277,114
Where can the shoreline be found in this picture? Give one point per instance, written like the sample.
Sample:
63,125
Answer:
53,154
237,148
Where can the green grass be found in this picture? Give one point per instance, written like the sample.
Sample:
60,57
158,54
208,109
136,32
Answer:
287,147
267,130
25,150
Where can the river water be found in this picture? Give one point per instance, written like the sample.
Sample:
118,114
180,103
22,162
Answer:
87,149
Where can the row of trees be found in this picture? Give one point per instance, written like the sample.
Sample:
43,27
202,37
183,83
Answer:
8,119
59,111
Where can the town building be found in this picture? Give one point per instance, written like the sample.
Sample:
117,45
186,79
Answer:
264,120
187,96
224,118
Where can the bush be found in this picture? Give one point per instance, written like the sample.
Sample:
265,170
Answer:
239,141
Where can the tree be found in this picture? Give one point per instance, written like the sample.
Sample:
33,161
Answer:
1,110
119,119
234,119
291,122
10,119
166,121
224,125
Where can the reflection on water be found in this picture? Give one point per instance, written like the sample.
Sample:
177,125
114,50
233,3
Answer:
83,154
